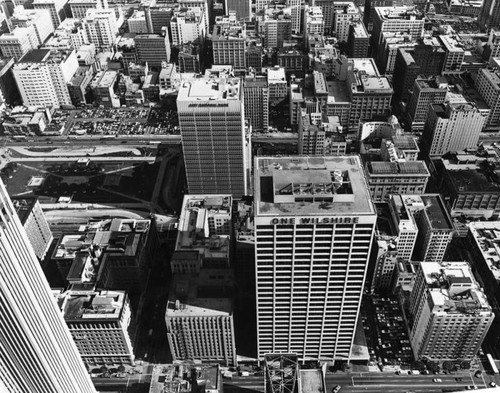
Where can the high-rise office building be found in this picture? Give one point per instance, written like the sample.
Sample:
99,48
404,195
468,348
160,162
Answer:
42,76
34,222
435,228
396,19
188,25
59,9
214,140
450,312
101,26
79,7
343,18
314,224
18,42
426,91
37,353
489,16
488,86
357,40
256,92
451,127
243,8
99,322
229,42
152,48
199,317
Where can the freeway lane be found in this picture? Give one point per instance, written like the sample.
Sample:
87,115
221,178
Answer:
389,382
371,383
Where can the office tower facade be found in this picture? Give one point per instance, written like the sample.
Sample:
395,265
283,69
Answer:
452,127
37,352
407,229
199,317
451,314
370,94
396,19
488,86
296,12
277,27
204,234
357,40
482,242
35,224
242,8
101,26
58,9
189,58
256,93
215,144
314,224
455,53
188,25
343,18
18,42
9,92
99,322
313,21
153,49
385,178
489,17
426,91
40,19
79,7
42,76
229,42
435,228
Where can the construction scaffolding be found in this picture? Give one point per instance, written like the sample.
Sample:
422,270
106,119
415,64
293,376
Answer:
281,371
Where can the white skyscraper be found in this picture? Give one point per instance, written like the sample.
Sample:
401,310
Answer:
213,134
314,225
37,353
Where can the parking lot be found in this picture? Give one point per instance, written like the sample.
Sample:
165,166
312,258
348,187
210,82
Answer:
110,122
386,332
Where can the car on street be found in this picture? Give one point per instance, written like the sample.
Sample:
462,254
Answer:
336,389
493,384
437,380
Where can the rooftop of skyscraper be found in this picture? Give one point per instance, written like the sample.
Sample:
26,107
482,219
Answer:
453,288
221,88
401,12
23,207
487,236
92,305
433,206
177,378
311,186
206,293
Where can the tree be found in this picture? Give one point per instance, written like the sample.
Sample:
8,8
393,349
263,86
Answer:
121,368
432,366
448,366
464,365
417,365
104,369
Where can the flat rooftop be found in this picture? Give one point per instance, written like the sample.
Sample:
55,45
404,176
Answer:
23,207
170,378
433,206
210,89
311,381
310,186
87,305
206,293
487,237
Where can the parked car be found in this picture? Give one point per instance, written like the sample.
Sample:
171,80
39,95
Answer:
336,389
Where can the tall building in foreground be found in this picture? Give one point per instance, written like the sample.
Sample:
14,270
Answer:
213,134
37,352
314,224
451,314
